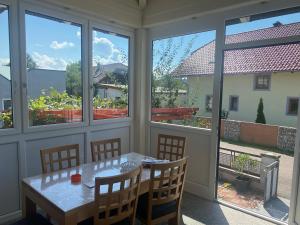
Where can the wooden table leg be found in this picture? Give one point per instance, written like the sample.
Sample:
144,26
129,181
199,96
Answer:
28,206
69,220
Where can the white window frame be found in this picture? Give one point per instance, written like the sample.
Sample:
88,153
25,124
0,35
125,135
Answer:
160,33
14,67
53,12
99,25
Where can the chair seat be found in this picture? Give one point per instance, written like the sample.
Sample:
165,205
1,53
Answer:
157,210
36,220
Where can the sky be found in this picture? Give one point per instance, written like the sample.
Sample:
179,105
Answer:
205,37
54,44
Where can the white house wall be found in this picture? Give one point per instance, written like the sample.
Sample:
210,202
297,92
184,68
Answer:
5,90
283,85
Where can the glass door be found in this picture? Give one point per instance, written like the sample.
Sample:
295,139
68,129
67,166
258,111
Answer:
261,78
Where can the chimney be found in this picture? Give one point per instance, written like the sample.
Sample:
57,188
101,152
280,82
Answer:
277,24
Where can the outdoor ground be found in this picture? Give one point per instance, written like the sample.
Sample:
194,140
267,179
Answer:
285,167
277,208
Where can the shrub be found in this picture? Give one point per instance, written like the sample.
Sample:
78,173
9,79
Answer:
260,118
244,162
6,117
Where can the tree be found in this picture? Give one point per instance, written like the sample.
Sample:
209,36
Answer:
260,118
165,87
73,79
30,63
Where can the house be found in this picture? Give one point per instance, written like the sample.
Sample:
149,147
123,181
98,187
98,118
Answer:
38,81
5,88
249,74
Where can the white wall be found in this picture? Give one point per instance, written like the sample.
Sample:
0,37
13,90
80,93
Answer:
198,153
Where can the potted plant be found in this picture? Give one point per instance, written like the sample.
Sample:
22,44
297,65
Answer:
241,164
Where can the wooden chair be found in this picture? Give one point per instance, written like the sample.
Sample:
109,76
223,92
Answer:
170,147
105,149
58,158
162,203
116,198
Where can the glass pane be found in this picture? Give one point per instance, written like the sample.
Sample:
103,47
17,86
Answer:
182,79
110,75
257,141
54,75
6,118
251,29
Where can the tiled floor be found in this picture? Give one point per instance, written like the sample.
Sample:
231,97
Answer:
197,211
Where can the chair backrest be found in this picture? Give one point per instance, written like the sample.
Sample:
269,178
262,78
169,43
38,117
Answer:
170,147
116,197
105,149
58,158
166,183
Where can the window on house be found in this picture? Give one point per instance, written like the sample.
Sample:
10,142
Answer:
208,103
233,103
6,109
7,105
262,82
182,74
54,74
292,106
110,75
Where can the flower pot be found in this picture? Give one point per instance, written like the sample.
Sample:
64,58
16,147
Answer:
242,183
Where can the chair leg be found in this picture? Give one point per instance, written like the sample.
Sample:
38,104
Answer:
175,220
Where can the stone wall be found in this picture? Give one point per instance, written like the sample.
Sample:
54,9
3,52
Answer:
286,138
232,129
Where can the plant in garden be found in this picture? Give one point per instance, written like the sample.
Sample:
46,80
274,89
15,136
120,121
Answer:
243,162
73,79
260,118
165,87
6,118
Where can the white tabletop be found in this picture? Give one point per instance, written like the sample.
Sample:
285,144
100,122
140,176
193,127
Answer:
58,189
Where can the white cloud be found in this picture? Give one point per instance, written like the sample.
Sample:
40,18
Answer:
61,45
78,34
4,61
105,52
46,62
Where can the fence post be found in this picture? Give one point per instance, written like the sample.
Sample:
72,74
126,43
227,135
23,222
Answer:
266,159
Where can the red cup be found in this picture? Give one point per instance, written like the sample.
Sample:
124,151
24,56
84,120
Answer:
76,178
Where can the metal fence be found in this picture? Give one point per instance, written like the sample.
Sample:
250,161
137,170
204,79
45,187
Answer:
228,157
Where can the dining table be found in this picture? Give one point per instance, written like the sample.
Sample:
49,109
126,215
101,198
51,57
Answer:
69,203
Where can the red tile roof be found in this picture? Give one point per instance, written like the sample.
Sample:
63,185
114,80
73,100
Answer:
245,61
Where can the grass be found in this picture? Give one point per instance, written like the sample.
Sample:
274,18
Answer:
262,147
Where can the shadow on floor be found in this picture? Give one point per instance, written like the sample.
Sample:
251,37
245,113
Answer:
277,208
202,211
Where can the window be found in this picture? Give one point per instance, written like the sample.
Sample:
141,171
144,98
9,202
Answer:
292,106
6,109
233,103
54,76
7,104
262,82
110,75
208,103
182,75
